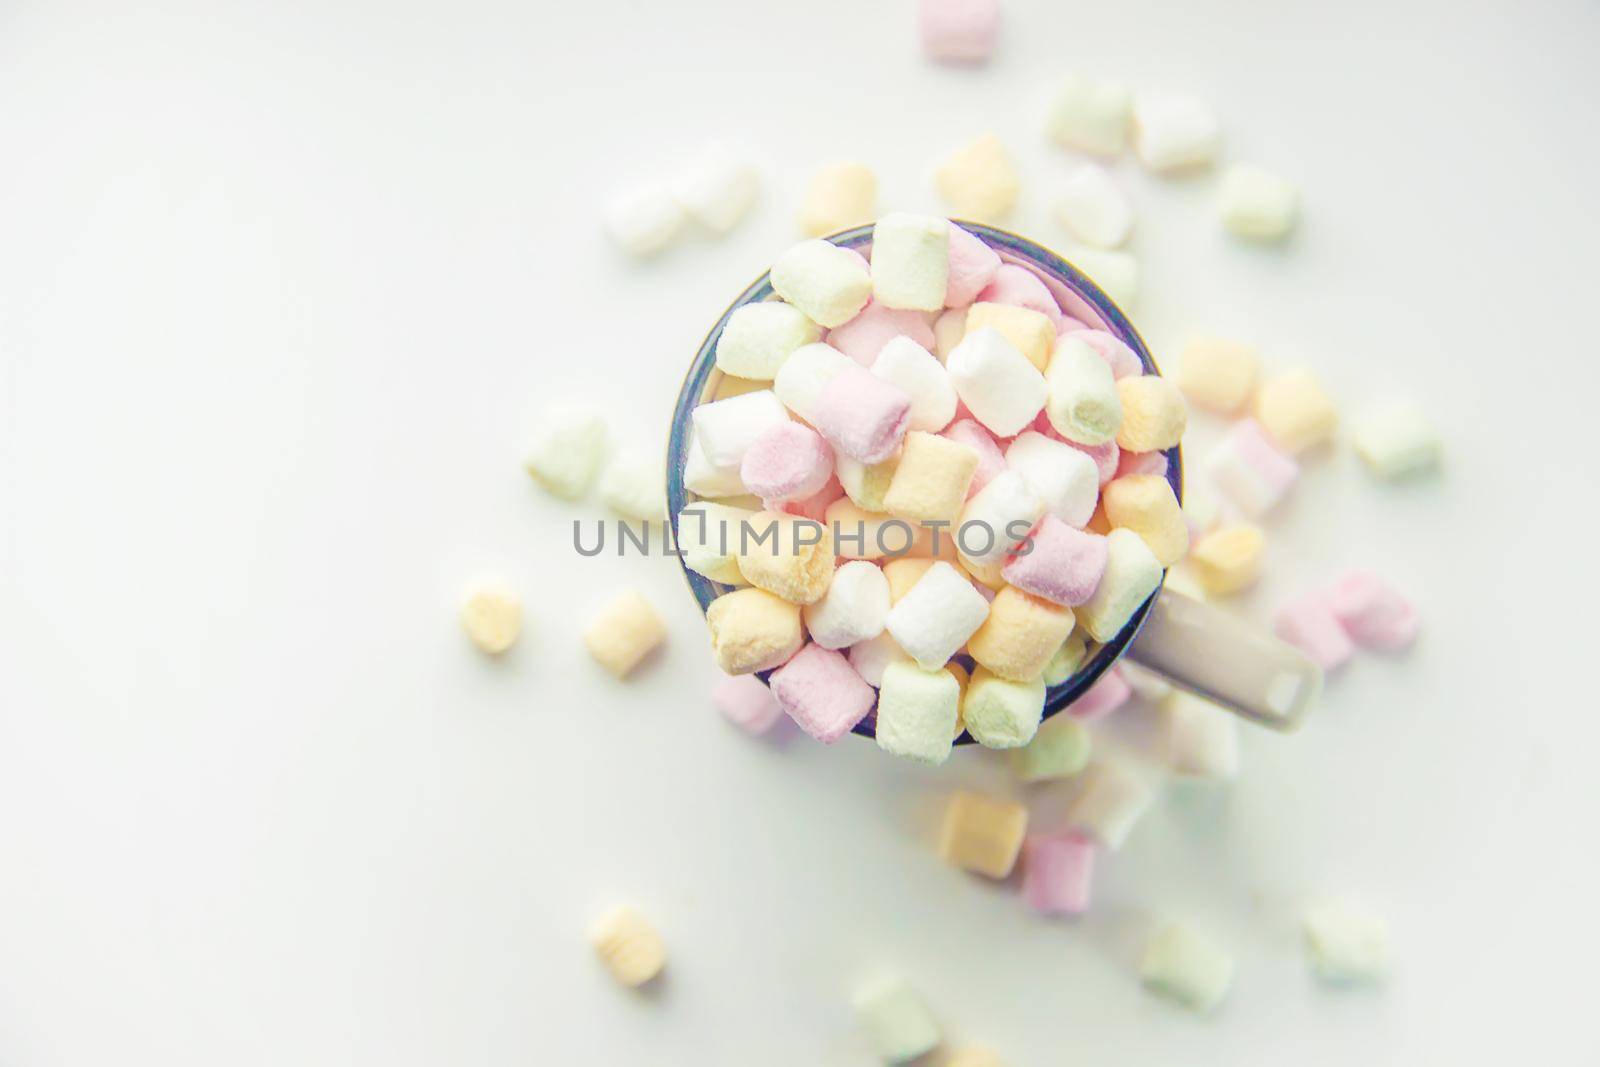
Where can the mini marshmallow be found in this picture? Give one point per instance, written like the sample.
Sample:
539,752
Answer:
1349,945
1228,559
978,181
822,693
949,329
862,534
745,701
1181,963
827,283
1250,469
1154,415
987,577
1106,455
1123,361
716,188
871,657
853,607
1030,332
643,220
1059,750
1309,624
803,376
1001,713
1257,203
752,630
1065,478
1095,208
787,556
897,1021
1174,132
840,196
1084,404
492,617
1056,873
909,366
864,337
1020,287
758,338
1112,801
632,486
1064,565
623,633
959,31
934,619
726,428
991,461
997,519
628,945
997,383
1132,573
930,482
1373,612
1117,273
1020,635
1396,441
1296,411
708,538
902,574
787,462
1131,464
1106,695
973,265
1217,374
1202,739
1145,504
1091,116
566,449
1068,658
863,416
865,484
813,507
982,835
917,711
910,261
704,478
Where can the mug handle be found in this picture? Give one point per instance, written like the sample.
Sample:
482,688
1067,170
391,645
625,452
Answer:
1242,667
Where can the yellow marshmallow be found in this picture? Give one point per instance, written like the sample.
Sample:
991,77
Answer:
1154,415
1030,332
784,563
862,534
903,574
1228,558
840,196
728,386
624,633
930,483
1020,635
1001,713
628,945
1218,375
1066,660
1296,411
978,182
752,630
865,484
982,835
988,574
492,617
1145,504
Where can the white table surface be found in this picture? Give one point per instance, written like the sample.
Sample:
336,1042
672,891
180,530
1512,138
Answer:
281,285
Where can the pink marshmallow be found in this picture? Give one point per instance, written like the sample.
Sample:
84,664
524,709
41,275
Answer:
972,266
1308,624
1373,612
864,336
1102,698
959,31
1064,566
1057,871
1253,471
1142,463
862,415
1068,324
822,693
991,461
1020,287
1123,361
813,507
788,462
746,702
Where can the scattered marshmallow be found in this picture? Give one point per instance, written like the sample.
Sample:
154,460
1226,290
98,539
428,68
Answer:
997,383
708,538
1030,332
632,486
1252,471
982,835
753,630
1132,573
917,712
1296,410
704,478
862,415
930,482
623,633
1181,963
852,609
1202,739
1084,404
840,196
643,220
1146,504
997,519
788,556
566,449
725,429
1065,478
1106,695
822,693
1228,559
1117,273
1154,415
800,381
789,461
978,181
1174,132
745,701
1064,565
1057,871
628,945
1396,441
1217,374
959,31
1308,623
934,619
1017,285
1095,208
909,366
1349,945
897,1021
492,617
1091,116
973,265
1020,635
991,461
910,261
716,188
1059,750
1257,203
759,337
1373,612
1001,713
830,285
864,337
1112,801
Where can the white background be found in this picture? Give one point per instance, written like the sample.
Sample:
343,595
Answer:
281,286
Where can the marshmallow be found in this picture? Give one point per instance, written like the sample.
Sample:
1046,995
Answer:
1396,441
1106,455
997,383
853,607
863,416
1064,565
1174,132
1187,966
829,284
803,376
822,693
897,1021
982,835
909,366
930,482
1202,739
862,534
1106,695
935,618
757,338
1349,945
726,428
1123,361
1030,332
708,538
1218,375
633,487
628,945
492,617
864,336
840,196
1056,873
752,630
813,507
566,449
1095,208
1146,684
1112,801
910,261
902,574
1020,635
1059,750
1145,504
623,633
704,478
1091,116
871,657
1373,612
1068,658
1020,287
1085,404
1065,479
987,577
917,712
978,181
1201,510
1228,558
973,265
865,484
1250,470
1296,411
959,31
1257,203
1154,415
991,461
1309,624
789,557
973,1056
948,331
1135,463
643,220
1116,273
716,188
1001,713
745,701
787,462
996,519
1132,573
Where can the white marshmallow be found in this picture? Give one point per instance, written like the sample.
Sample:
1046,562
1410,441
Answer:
758,338
1066,479
1001,514
1131,575
1349,945
1396,441
1187,966
923,378
936,616
870,657
1112,801
1095,208
897,1020
910,261
1083,404
704,478
643,220
1001,388
1202,740
853,608
566,449
801,379
1257,204
634,485
726,428
917,712
708,537
1091,116
1115,272
830,285
1172,131
1247,469
948,330
716,188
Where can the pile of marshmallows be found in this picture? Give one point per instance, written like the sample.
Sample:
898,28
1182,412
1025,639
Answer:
1003,462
